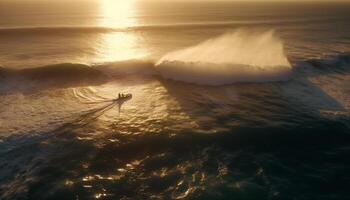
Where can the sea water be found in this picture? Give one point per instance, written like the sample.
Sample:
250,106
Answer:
231,100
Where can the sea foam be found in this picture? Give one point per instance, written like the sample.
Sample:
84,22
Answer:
240,56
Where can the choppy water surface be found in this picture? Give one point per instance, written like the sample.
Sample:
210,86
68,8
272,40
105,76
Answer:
252,106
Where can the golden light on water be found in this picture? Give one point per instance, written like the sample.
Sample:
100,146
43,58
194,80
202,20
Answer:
120,44
118,13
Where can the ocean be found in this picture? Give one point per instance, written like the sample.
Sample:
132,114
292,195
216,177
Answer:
230,100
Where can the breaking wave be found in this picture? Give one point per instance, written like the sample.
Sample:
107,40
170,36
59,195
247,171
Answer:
182,69
239,56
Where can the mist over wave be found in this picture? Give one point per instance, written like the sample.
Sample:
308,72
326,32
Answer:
240,56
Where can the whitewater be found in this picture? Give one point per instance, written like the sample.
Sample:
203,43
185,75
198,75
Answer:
240,56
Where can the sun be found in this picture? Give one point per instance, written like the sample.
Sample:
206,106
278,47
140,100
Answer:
117,13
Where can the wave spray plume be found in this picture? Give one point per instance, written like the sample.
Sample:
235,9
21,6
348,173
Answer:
240,56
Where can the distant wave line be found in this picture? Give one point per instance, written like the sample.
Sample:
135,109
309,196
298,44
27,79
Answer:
101,29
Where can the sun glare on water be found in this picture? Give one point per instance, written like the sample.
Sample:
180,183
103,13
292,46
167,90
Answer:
118,13
120,44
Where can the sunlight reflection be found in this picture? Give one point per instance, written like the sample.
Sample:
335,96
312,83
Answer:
118,46
117,13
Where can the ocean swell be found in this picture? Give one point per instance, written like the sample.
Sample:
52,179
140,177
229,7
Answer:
58,75
203,72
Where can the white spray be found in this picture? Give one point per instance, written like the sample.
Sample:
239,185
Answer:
240,56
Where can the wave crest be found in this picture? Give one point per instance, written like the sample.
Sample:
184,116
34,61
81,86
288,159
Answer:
58,75
241,56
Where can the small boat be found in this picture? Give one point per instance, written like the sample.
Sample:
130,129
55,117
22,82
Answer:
124,97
